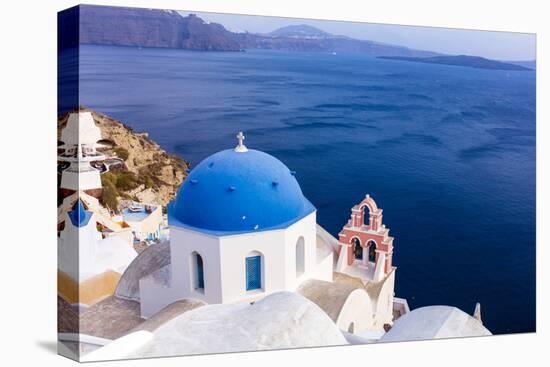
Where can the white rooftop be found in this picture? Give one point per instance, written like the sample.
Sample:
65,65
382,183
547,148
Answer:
280,320
80,129
434,322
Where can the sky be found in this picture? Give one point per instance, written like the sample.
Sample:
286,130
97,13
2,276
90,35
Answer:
494,45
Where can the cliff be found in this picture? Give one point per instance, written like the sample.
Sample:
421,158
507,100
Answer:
138,168
104,25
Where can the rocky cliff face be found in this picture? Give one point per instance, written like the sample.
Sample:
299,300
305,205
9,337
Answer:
130,26
139,168
104,25
199,35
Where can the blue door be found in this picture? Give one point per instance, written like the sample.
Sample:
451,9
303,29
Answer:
253,272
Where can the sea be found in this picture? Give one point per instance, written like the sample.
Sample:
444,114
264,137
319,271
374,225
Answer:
447,152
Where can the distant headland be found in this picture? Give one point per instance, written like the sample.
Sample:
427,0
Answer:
462,60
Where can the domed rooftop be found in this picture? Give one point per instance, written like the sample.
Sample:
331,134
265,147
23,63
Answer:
278,321
239,190
434,322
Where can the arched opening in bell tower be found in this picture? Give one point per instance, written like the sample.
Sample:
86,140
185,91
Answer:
366,215
357,249
372,251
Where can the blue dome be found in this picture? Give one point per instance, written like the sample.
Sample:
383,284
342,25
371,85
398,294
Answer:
236,192
79,216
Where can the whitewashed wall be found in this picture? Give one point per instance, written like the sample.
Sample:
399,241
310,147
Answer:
72,179
383,305
224,267
235,249
305,228
183,243
357,310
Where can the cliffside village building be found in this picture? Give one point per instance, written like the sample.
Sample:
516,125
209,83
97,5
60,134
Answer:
95,245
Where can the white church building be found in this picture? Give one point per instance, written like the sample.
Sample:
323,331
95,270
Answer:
241,228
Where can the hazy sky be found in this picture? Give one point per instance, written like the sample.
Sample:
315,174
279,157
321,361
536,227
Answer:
494,45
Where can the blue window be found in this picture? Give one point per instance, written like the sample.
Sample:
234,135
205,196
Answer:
253,272
200,273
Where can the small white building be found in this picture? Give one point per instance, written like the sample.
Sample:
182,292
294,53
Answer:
80,138
145,220
240,228
89,266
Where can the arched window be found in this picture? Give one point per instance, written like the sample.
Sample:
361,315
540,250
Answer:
366,215
300,256
253,265
198,272
351,328
372,251
357,249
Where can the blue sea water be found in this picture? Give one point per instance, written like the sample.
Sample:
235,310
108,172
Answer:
448,152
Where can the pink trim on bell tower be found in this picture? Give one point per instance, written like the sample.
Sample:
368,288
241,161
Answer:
367,232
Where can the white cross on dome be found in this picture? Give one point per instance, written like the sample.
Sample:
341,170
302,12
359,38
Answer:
241,147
